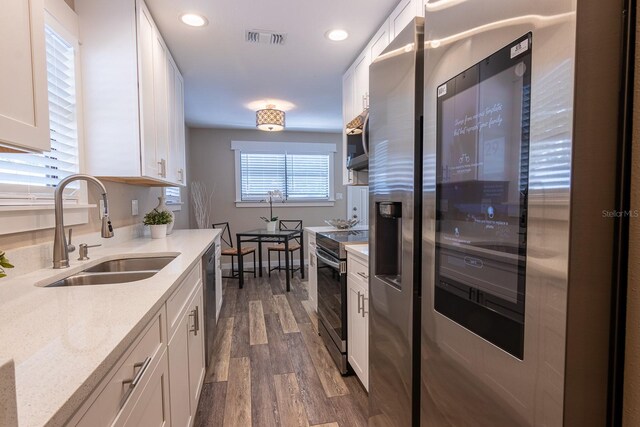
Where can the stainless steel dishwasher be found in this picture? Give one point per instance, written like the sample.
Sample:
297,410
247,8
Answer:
210,306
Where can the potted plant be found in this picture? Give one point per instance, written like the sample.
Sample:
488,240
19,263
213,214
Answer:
157,221
4,263
272,221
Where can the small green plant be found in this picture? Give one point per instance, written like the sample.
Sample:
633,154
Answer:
4,263
156,217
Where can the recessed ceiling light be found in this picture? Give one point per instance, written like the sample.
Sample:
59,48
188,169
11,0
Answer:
337,35
193,20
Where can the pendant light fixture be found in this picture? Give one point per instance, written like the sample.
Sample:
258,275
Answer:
270,119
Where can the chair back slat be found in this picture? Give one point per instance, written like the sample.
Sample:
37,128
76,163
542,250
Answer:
225,230
291,224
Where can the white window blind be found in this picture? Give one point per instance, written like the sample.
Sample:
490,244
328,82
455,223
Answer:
32,178
300,177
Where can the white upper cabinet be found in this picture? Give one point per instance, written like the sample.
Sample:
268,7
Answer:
133,95
24,110
361,83
175,98
379,42
403,14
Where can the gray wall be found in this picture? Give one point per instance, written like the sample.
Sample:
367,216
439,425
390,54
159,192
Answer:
212,162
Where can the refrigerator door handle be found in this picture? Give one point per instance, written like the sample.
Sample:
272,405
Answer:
365,146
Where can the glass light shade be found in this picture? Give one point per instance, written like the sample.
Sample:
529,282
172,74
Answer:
270,120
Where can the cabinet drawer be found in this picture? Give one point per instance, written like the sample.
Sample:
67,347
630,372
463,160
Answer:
357,269
122,387
178,301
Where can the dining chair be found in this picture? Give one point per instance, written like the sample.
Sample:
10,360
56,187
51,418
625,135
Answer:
286,224
232,252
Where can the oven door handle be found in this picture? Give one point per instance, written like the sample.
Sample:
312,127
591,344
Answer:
330,262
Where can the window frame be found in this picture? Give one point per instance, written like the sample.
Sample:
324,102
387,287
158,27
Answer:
264,147
18,212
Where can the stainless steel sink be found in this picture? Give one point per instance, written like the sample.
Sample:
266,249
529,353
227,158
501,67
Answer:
131,264
123,270
85,279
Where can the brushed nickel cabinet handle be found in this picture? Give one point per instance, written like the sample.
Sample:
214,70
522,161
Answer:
359,307
364,276
136,379
364,312
196,320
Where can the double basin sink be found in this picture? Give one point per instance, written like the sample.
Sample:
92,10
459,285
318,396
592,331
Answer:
121,270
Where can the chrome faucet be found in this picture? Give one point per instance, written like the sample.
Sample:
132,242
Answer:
60,249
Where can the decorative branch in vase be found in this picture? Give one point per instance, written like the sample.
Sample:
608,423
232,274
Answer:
201,199
272,221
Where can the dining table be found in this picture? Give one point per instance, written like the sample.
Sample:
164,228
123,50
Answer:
277,236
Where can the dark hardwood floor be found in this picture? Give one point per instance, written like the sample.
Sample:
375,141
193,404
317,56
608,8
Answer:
270,367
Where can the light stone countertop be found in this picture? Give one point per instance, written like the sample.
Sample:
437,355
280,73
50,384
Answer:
64,340
361,251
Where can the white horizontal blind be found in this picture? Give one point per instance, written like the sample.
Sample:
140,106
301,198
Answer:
300,177
32,178
307,177
261,173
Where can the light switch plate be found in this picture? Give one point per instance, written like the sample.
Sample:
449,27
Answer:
134,207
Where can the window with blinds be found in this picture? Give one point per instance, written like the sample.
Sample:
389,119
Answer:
300,177
32,178
172,196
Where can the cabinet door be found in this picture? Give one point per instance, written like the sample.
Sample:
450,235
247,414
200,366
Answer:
172,122
401,16
177,133
24,111
196,349
160,105
179,374
355,328
379,42
361,84
146,43
348,114
152,408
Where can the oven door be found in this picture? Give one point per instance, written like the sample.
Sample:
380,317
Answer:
332,297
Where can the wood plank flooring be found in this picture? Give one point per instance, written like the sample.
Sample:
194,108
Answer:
269,366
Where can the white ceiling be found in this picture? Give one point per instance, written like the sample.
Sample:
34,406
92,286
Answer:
224,74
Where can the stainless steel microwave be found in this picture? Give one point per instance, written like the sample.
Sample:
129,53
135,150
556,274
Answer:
358,142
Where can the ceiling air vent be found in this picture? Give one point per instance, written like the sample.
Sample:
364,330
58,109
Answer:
265,37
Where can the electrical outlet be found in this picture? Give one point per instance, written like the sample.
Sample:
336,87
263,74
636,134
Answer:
101,210
338,196
134,207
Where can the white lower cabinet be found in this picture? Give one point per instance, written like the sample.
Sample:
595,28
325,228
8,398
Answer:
186,362
155,383
358,318
195,345
151,410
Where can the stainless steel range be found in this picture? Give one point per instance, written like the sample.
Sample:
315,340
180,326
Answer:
332,290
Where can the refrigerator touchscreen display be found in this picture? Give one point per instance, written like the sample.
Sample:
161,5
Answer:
481,196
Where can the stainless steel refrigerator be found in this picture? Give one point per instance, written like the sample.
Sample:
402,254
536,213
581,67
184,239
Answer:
498,230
